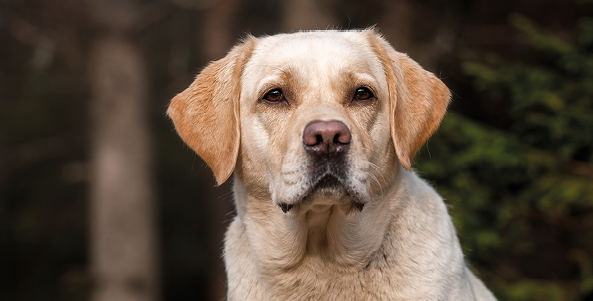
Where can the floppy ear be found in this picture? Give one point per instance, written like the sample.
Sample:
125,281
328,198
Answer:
418,100
206,114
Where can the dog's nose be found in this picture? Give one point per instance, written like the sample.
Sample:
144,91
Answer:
326,137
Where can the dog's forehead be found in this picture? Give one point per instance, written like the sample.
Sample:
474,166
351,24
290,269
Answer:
314,45
312,57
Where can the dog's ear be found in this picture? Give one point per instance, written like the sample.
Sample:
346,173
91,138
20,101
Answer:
418,100
206,114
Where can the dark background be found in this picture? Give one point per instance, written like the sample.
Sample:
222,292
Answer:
513,157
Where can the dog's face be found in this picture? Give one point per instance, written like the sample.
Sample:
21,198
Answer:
314,118
311,118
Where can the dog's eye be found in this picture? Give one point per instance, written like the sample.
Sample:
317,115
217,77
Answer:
274,96
363,93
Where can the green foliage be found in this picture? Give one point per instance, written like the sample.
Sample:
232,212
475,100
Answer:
526,190
534,290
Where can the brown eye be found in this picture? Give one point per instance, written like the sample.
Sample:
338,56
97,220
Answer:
363,94
274,96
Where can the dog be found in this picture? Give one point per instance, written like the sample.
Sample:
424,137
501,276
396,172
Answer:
320,129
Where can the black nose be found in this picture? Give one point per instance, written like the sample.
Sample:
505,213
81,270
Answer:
326,137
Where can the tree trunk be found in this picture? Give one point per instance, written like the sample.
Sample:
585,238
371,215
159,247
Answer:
122,211
306,15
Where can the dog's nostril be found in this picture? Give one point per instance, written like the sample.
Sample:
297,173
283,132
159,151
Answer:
342,138
319,139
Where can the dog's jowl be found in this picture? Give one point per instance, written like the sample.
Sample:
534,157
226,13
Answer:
319,130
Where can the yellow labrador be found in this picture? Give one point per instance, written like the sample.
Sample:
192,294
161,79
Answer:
320,129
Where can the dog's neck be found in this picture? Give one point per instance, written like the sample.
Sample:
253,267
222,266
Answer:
323,234
383,241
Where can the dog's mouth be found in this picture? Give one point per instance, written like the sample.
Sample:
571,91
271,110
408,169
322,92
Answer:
327,182
331,189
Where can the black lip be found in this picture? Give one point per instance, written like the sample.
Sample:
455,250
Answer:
328,181
328,185
285,207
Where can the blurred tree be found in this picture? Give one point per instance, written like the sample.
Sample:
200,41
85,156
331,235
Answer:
522,196
42,152
307,15
124,243
218,28
404,24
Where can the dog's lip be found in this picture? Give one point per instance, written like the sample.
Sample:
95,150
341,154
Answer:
331,184
328,184
327,181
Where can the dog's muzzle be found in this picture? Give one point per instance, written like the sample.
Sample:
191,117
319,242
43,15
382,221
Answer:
326,143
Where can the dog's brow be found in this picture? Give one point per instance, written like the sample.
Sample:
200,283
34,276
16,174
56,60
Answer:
282,70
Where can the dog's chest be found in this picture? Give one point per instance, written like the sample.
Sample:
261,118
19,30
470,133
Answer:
314,280
331,285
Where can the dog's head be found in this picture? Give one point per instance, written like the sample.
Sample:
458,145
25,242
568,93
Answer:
311,117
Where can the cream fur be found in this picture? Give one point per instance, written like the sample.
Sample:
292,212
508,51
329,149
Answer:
401,246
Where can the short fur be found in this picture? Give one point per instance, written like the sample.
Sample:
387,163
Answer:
401,246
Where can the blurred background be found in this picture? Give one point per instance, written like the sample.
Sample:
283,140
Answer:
100,200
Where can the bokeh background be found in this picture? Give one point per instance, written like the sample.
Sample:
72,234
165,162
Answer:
100,200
